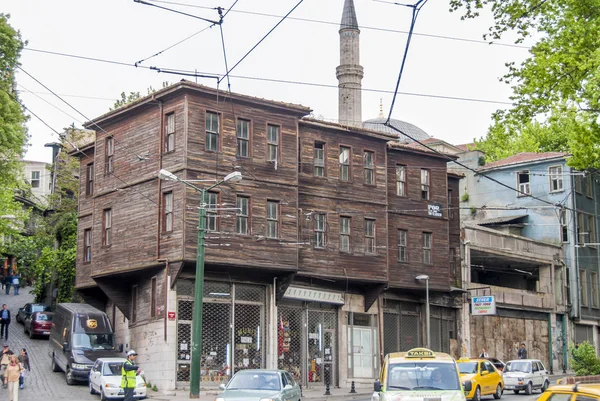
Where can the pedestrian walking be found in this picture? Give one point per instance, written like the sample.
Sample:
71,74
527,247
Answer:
4,361
7,283
522,352
2,279
129,373
16,282
4,321
11,378
484,353
24,361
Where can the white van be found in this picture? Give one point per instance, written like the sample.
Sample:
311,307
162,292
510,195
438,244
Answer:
525,374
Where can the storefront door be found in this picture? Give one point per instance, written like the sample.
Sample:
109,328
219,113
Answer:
362,352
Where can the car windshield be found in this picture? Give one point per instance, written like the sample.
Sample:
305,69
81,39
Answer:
254,381
422,376
467,367
40,308
44,317
518,366
90,341
112,369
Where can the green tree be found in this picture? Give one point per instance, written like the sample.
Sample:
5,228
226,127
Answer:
133,96
583,359
556,90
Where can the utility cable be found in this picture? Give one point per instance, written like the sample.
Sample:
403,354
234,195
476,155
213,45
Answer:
176,11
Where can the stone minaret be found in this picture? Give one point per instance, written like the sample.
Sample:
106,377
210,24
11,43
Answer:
350,72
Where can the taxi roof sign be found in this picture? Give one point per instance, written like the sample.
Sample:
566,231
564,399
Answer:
420,353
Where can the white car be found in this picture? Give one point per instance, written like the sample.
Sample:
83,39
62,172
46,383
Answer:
525,374
105,379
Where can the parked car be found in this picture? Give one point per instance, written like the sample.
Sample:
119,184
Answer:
525,374
484,377
497,363
105,379
38,324
29,308
581,391
260,384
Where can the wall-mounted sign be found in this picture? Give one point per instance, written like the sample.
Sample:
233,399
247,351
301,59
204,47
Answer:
171,315
481,306
310,294
435,210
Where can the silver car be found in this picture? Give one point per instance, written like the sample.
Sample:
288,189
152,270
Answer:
260,385
526,375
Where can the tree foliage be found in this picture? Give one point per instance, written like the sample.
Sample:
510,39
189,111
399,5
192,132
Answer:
556,90
133,96
583,359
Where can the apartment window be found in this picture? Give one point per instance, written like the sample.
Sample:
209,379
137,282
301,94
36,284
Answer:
450,207
452,261
345,163
401,180
167,211
583,287
556,178
110,151
427,248
153,297
402,246
134,299
272,143
212,131
564,226
594,288
369,167
242,215
35,179
578,183
87,245
89,179
523,183
319,224
107,227
272,219
170,138
212,218
345,234
591,229
319,159
243,138
589,188
581,229
370,236
425,182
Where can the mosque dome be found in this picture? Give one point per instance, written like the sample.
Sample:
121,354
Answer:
378,124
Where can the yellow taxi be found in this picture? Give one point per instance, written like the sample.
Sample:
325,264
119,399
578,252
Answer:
419,375
483,376
572,392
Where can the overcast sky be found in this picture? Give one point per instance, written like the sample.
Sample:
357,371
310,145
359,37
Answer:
303,49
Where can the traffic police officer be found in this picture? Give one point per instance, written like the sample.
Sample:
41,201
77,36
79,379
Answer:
129,373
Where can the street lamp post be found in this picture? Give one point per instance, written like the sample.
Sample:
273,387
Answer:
196,350
425,277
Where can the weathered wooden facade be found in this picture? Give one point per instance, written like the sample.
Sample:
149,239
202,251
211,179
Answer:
301,256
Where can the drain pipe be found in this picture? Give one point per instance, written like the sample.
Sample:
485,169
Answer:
166,294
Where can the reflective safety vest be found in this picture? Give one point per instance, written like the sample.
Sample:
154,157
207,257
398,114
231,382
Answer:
128,377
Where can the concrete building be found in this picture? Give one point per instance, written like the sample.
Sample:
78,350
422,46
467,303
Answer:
38,175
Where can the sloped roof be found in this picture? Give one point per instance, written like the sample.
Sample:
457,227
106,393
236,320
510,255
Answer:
465,147
378,124
523,158
349,20
501,220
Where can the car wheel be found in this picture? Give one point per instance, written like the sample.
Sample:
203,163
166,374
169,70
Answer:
477,395
69,377
498,392
18,318
55,367
31,335
529,389
102,396
516,391
92,391
545,386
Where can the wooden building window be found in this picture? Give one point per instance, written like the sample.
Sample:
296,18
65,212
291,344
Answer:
87,245
153,295
212,131
134,303
272,219
212,212
402,246
243,138
564,226
427,238
170,133
370,236
110,152
594,288
523,183
555,174
578,183
35,179
589,187
450,206
345,224
591,229
400,180
581,229
345,171
452,262
369,167
425,184
167,211
272,143
319,224
106,227
583,287
89,179
319,159
242,215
